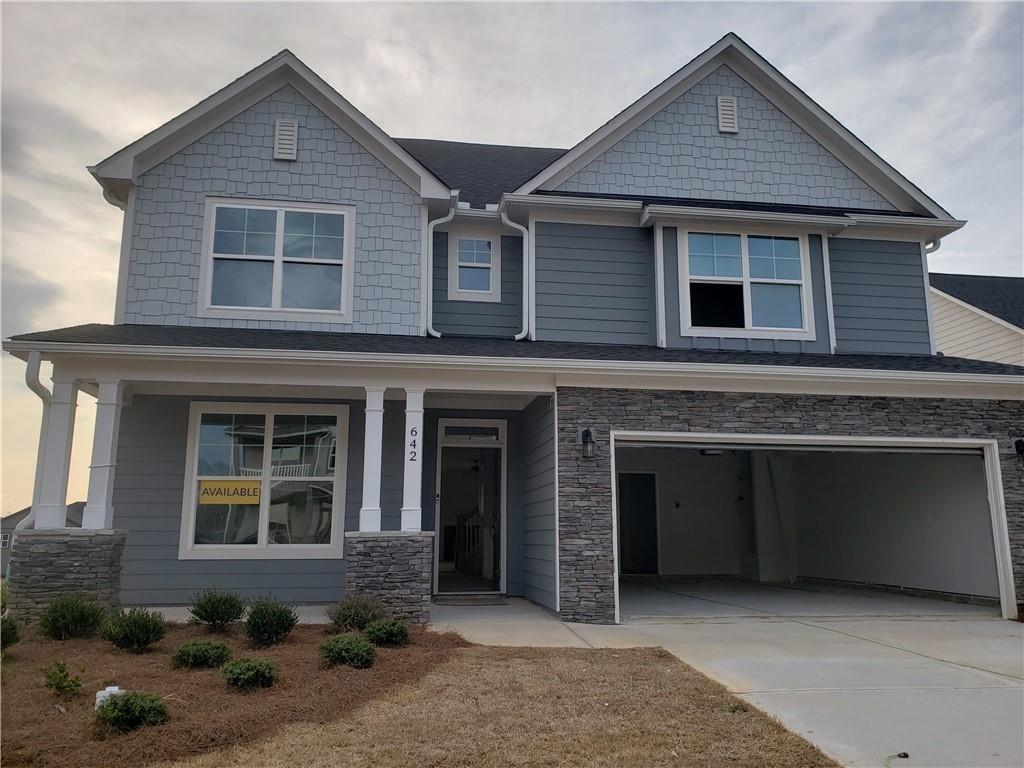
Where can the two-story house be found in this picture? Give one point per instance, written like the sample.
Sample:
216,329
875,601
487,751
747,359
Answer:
697,343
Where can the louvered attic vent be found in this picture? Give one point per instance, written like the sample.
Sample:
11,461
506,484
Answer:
727,120
286,139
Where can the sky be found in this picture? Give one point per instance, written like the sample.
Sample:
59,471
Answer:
937,89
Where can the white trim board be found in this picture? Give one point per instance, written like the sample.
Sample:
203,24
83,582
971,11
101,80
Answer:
977,310
989,449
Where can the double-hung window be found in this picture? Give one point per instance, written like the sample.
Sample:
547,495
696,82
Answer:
264,480
263,260
474,266
739,284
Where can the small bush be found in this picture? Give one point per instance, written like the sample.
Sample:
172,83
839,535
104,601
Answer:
270,622
71,616
135,629
127,711
355,612
201,654
387,632
9,632
3,596
60,680
351,649
250,674
217,609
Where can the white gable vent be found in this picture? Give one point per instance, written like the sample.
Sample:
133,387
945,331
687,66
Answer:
727,120
286,139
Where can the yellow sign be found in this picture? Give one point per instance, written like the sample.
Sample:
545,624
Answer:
229,491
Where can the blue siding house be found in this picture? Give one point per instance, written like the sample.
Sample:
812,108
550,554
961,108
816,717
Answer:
343,362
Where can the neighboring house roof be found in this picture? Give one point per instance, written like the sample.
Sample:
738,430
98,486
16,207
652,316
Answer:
481,172
1000,297
75,510
154,337
759,73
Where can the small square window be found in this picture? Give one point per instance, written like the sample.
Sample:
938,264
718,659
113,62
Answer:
474,268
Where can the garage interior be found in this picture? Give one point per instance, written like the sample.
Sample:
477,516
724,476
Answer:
720,531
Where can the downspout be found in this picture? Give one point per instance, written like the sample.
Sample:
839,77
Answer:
527,269
32,380
428,268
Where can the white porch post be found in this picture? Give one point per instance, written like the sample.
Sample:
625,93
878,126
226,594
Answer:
412,509
58,432
373,447
99,512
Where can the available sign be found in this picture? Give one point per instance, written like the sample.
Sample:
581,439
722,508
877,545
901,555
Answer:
229,491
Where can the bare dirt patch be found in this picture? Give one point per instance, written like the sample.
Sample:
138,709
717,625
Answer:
490,706
40,729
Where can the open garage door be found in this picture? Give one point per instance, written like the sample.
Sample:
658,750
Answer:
919,521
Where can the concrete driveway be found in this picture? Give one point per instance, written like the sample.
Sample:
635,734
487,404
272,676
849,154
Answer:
863,675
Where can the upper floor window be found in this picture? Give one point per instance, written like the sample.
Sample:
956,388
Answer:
474,266
736,284
265,259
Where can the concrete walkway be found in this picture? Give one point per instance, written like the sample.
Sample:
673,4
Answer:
863,675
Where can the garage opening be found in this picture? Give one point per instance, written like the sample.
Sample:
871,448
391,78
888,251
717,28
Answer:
721,530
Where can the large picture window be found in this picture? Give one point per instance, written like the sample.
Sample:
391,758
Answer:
264,480
264,259
739,284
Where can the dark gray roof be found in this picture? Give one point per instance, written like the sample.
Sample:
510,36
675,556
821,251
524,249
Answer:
239,338
1002,297
481,172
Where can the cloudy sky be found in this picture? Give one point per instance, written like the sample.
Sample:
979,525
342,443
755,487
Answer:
936,89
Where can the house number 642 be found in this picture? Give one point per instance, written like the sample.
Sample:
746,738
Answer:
413,433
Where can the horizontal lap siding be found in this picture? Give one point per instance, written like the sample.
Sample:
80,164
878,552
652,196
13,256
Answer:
594,284
502,319
878,297
148,490
538,564
961,332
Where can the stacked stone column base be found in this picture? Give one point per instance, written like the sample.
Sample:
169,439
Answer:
396,567
50,563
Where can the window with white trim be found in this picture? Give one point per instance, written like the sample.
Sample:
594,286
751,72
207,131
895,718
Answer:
267,259
474,267
744,284
264,480
5,540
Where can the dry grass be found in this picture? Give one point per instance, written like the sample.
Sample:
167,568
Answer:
40,729
540,707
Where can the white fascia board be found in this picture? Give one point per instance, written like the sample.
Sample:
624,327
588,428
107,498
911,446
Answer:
976,310
673,214
881,227
779,90
285,68
628,374
593,210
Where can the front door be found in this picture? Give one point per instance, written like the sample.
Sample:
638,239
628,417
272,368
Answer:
638,522
470,506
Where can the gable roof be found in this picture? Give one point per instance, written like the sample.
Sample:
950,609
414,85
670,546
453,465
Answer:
1001,297
481,172
783,93
116,173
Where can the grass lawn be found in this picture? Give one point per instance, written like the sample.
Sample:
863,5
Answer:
437,702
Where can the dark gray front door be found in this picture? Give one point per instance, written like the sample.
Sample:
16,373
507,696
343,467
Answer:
638,523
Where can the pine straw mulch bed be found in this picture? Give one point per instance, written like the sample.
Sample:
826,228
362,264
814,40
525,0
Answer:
42,729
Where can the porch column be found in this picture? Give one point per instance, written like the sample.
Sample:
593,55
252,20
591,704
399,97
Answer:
99,512
373,447
57,433
412,508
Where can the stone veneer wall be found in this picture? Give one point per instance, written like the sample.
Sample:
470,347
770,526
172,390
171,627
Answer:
586,566
49,563
394,566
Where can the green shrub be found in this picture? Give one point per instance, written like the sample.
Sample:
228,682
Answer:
60,680
355,612
135,629
3,596
128,711
71,616
201,654
217,609
9,632
350,649
269,621
387,632
250,674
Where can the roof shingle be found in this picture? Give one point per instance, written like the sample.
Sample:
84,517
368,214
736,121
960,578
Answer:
1001,297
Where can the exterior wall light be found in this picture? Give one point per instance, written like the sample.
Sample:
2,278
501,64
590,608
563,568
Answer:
589,445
